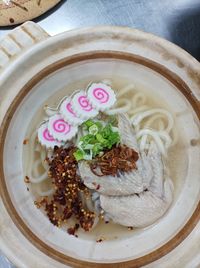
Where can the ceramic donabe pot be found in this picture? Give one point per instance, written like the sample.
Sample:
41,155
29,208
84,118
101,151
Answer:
33,73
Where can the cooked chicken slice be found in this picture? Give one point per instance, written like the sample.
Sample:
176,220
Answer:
128,183
137,210
125,184
126,131
155,158
147,207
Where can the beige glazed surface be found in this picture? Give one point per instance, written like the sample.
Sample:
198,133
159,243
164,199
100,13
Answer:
56,63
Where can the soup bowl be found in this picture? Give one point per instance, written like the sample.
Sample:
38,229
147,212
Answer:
56,66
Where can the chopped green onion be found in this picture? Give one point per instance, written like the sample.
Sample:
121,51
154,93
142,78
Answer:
99,125
89,146
98,139
88,123
97,149
79,155
93,129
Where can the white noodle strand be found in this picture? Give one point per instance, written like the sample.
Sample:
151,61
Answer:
143,142
43,157
44,193
156,137
142,108
139,117
138,99
125,90
38,179
123,106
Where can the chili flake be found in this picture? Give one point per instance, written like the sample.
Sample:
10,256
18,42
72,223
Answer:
66,201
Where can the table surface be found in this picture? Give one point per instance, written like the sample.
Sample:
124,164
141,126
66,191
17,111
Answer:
175,20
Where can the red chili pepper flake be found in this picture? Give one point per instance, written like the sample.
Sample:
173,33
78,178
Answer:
72,230
98,187
66,201
38,205
26,179
118,159
25,141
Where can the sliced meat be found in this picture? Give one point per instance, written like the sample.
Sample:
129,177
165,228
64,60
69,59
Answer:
126,131
157,182
125,184
147,207
137,210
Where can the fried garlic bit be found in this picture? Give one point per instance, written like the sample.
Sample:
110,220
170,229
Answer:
118,159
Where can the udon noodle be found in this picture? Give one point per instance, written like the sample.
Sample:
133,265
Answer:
148,122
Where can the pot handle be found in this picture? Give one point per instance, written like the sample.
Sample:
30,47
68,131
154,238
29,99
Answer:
18,41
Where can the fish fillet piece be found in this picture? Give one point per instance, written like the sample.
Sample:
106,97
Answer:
138,210
128,183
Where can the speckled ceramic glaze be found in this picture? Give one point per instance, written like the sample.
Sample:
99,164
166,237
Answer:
18,11
34,70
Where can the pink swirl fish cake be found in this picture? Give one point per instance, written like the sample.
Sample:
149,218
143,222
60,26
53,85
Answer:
81,106
68,113
45,137
101,96
60,129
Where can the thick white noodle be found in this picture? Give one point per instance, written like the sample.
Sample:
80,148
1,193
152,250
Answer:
161,125
138,99
32,169
123,106
31,150
155,137
125,90
35,169
156,123
161,138
174,137
44,193
37,147
136,119
53,110
37,179
142,108
143,142
165,136
43,157
157,117
107,82
50,111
